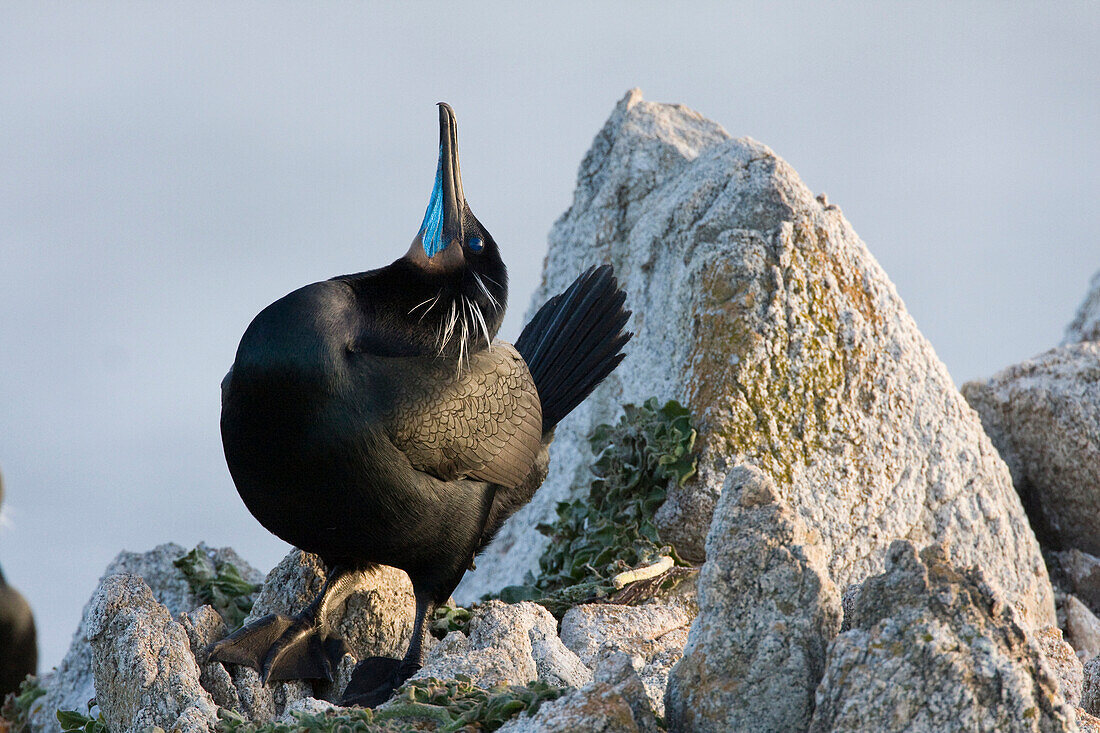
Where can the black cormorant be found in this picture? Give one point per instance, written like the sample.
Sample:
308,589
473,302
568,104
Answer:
18,642
373,419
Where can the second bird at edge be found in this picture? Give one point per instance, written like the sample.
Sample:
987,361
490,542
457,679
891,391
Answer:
374,419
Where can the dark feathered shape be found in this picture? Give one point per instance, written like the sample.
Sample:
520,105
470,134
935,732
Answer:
373,419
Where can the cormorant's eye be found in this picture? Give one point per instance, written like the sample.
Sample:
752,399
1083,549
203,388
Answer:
475,244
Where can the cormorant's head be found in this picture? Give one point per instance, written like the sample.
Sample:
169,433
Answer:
452,244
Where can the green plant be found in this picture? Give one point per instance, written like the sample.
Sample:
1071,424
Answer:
445,706
76,722
596,539
221,586
17,706
446,619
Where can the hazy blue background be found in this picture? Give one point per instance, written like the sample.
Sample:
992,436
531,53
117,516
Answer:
168,170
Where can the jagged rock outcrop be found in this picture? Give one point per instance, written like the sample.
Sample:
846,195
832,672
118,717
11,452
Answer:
1044,417
1085,325
145,673
147,626
935,648
507,644
757,306
614,702
654,633
767,612
72,684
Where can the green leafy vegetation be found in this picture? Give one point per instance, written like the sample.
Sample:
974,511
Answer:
16,710
611,531
221,586
444,706
446,619
76,722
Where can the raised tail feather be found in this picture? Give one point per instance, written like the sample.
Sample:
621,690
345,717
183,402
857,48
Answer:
574,341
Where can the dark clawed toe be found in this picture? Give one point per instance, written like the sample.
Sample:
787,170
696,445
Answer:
281,648
375,679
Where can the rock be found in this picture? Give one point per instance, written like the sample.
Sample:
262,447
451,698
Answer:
767,611
1090,689
1082,628
614,702
72,684
1086,324
1081,573
654,633
1044,417
145,673
758,307
1063,662
376,619
935,648
1087,723
508,644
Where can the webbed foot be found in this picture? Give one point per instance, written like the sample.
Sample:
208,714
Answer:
282,648
375,679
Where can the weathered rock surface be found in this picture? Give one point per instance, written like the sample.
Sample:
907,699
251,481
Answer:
1079,573
508,644
72,684
1082,628
1063,662
767,612
377,616
758,306
1044,417
654,633
1090,689
934,648
614,702
145,673
1085,326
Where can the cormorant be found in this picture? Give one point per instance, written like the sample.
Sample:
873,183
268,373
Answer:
18,644
373,419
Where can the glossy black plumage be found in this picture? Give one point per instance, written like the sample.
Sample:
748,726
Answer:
372,419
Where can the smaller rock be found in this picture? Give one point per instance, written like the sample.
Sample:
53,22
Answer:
1090,690
1087,723
614,702
1081,572
934,648
1082,628
767,610
1085,325
1063,662
145,673
508,644
307,706
1043,415
656,633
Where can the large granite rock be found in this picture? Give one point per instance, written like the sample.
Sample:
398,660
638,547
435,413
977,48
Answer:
1044,417
1085,325
935,648
767,612
756,305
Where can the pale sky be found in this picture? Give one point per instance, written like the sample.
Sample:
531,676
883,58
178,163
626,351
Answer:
166,170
